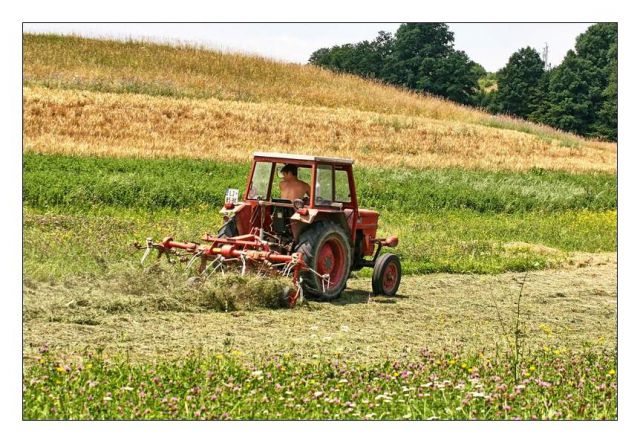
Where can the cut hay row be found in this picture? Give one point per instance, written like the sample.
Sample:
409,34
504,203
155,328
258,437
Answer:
77,122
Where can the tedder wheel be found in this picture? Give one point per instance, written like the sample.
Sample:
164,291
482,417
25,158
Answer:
229,229
386,275
325,248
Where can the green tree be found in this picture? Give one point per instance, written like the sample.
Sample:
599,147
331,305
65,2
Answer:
453,76
608,113
573,87
366,59
416,48
519,83
423,59
582,91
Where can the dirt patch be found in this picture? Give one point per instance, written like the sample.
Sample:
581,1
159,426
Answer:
560,308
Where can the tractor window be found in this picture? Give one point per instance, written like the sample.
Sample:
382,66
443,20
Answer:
324,185
342,187
260,183
304,174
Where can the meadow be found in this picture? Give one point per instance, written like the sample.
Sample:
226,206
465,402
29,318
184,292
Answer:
83,213
430,385
126,140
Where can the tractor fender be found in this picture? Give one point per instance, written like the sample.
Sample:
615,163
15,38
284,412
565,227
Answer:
302,222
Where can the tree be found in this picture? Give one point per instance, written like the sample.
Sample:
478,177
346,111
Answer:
454,76
572,90
423,59
366,59
416,48
607,125
519,90
582,90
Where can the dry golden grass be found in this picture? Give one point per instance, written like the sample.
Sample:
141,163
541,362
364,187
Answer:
253,102
110,124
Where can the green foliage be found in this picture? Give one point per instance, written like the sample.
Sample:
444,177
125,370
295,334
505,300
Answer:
85,182
427,385
365,58
582,91
519,83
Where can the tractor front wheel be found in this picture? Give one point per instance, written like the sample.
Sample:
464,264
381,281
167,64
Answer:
228,229
386,275
325,249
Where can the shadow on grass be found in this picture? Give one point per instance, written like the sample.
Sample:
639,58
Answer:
359,296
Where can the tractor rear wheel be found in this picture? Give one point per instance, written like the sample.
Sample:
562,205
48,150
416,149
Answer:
325,249
386,275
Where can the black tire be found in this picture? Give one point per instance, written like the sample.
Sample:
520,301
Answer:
322,235
387,273
228,229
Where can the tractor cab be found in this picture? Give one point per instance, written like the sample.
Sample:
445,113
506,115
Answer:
326,191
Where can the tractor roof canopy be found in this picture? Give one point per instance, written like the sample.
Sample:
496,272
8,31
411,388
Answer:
282,157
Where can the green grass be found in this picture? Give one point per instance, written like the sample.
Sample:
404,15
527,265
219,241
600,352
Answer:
83,213
83,182
445,385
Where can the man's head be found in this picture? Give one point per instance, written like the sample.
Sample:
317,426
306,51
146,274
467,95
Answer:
289,171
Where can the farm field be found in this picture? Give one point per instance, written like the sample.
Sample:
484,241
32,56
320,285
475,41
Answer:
118,148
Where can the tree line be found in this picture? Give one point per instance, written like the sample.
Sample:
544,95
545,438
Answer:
579,95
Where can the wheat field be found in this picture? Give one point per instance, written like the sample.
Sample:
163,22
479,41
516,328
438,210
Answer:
95,97
108,124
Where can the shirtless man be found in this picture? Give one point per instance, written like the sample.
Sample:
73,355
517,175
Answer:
290,187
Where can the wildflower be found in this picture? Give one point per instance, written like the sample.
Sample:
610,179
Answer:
612,372
344,328
532,368
256,373
318,394
544,384
343,380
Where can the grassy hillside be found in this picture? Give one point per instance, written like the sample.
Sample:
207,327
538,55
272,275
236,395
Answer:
119,99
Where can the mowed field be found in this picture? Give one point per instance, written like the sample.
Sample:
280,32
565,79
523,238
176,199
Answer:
128,140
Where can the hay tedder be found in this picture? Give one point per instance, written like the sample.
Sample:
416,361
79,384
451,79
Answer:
317,239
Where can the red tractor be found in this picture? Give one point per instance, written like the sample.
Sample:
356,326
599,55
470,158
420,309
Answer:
317,239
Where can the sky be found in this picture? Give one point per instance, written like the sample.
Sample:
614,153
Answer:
489,44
